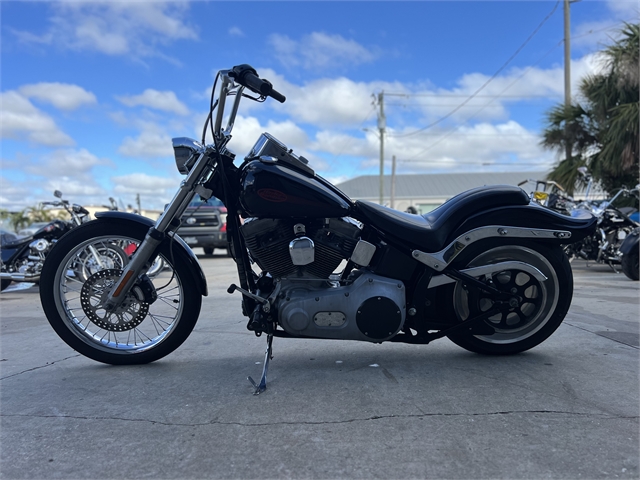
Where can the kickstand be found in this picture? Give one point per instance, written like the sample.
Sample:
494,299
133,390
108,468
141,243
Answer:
268,355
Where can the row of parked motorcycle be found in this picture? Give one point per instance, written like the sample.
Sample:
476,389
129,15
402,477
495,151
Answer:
615,241
23,257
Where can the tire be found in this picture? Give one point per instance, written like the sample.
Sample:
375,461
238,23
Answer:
4,283
542,304
208,250
630,265
143,332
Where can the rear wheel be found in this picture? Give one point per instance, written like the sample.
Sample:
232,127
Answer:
541,304
140,330
4,283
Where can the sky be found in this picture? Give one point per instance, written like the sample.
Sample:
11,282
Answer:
92,92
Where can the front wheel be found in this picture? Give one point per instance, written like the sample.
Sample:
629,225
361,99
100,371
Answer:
140,330
539,306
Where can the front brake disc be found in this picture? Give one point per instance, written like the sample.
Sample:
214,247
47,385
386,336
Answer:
95,291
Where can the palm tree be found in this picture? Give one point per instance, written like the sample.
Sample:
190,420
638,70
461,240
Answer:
602,131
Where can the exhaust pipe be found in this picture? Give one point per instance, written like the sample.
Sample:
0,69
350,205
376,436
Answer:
19,278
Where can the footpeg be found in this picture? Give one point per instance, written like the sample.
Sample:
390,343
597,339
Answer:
262,386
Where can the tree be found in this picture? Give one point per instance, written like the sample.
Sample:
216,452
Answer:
602,129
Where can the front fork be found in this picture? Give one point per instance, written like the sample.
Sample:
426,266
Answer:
140,262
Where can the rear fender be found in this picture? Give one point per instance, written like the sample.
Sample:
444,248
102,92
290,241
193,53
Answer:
631,242
183,249
533,216
530,222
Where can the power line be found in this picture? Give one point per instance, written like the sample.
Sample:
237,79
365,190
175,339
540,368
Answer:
504,65
446,135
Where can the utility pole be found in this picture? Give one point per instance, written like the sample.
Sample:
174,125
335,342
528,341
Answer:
138,202
393,182
567,73
382,124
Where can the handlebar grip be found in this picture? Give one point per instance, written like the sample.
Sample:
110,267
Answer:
277,96
245,75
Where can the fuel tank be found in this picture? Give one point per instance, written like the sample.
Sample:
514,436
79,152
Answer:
276,190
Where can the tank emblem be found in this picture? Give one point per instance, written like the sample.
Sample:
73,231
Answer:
271,195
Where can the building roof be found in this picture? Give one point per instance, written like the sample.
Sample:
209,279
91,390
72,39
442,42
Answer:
439,185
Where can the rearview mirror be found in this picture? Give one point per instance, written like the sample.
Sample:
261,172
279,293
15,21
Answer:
57,194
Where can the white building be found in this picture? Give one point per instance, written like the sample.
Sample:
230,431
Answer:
427,191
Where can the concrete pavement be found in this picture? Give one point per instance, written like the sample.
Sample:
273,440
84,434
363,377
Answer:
566,409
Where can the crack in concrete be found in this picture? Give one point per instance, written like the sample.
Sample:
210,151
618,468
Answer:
38,368
602,336
335,422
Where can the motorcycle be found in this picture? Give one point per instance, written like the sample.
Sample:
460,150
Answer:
551,195
22,259
485,269
613,227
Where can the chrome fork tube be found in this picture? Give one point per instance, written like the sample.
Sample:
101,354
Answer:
140,261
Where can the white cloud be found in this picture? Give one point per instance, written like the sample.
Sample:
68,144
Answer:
115,28
247,130
61,95
158,100
319,50
236,32
149,144
143,183
21,120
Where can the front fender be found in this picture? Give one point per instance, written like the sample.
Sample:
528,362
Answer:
532,216
631,242
194,265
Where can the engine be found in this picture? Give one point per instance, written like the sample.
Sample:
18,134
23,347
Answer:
316,246
302,255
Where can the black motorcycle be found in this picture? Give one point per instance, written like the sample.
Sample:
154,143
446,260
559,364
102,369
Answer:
613,226
486,269
23,259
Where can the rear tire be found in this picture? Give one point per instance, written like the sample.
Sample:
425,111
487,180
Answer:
208,250
630,265
4,283
141,332
542,307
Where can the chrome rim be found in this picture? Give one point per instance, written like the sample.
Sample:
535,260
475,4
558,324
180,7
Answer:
138,325
537,299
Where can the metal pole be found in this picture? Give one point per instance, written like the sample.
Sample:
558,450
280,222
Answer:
567,73
393,182
382,123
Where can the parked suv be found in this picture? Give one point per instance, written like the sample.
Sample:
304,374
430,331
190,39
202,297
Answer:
204,224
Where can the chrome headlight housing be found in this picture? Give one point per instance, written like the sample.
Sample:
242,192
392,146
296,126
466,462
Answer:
186,151
39,245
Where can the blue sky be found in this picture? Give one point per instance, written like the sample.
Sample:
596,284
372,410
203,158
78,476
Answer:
93,92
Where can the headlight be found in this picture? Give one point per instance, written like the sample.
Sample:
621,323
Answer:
186,151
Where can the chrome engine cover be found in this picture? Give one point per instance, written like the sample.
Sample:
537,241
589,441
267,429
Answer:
372,308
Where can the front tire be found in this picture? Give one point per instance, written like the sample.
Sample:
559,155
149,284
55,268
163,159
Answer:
142,331
630,265
542,305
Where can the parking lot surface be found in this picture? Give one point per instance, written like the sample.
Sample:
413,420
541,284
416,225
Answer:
333,409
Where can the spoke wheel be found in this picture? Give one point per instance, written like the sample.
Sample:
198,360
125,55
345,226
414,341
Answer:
139,330
536,308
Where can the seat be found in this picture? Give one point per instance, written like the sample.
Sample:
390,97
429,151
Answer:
429,232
